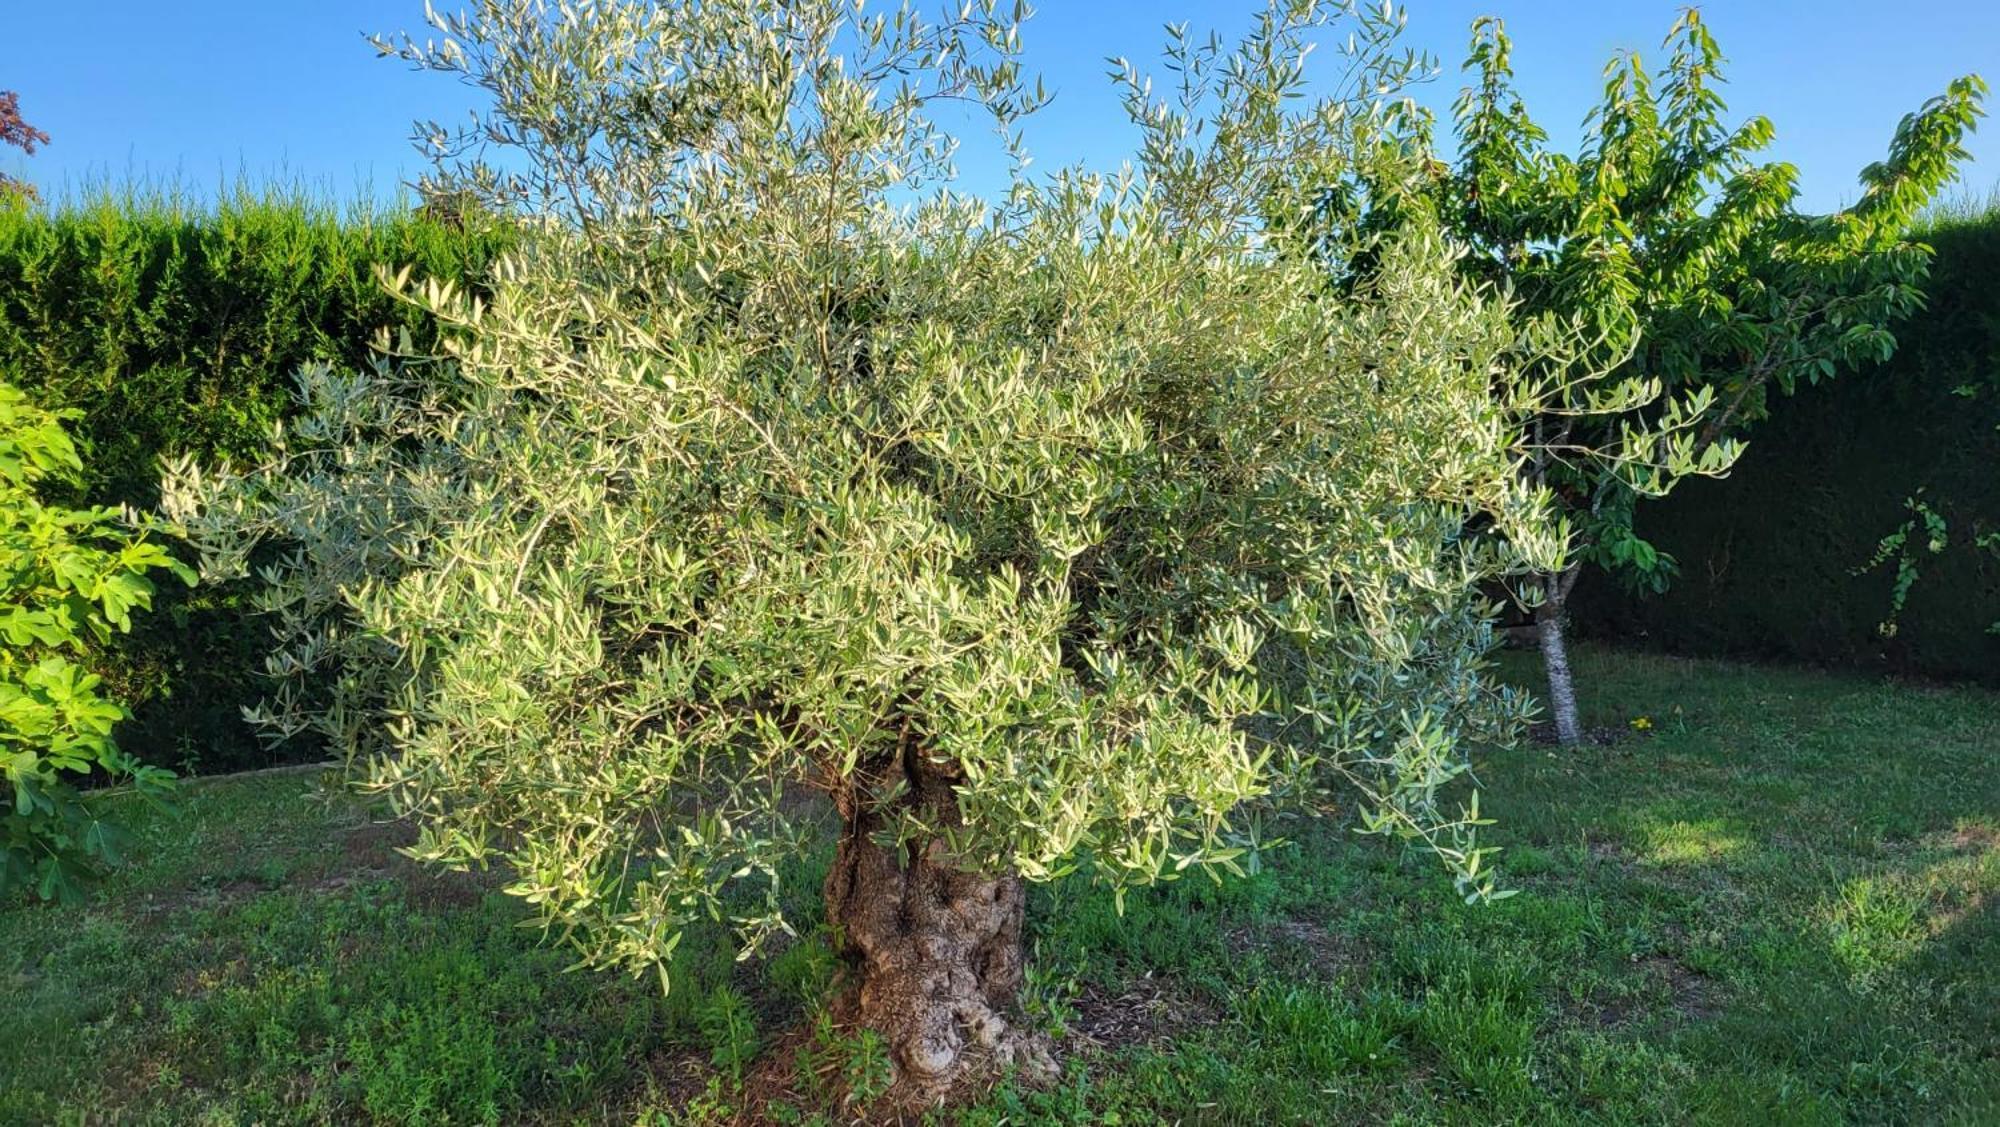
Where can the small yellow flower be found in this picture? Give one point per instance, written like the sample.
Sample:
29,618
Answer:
1641,723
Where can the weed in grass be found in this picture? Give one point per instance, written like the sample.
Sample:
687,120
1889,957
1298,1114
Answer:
1483,1039
1322,1033
1875,923
844,1068
1048,996
804,972
730,1030
427,1063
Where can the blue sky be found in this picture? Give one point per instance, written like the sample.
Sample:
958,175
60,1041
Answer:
200,91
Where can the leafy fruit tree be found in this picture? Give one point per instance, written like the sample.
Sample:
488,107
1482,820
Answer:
1706,291
1032,537
67,577
15,131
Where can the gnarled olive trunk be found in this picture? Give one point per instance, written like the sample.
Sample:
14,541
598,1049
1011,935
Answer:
933,952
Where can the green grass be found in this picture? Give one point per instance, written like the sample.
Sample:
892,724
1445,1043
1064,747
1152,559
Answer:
1777,906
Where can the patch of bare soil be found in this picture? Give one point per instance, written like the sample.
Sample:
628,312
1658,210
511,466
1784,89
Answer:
1691,995
370,852
786,1073
797,1073
1695,996
1613,854
373,845
677,1077
796,1070
1609,852
803,1069
1952,916
1304,944
1975,839
1145,1011
205,894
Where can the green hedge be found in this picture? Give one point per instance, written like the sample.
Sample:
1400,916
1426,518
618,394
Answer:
1768,554
176,327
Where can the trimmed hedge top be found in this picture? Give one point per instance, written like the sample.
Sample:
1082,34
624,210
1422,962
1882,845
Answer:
177,329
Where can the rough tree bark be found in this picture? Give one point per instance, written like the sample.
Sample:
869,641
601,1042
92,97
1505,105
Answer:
1555,655
932,952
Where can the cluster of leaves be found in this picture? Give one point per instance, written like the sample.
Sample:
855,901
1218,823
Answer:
1905,546
67,577
765,466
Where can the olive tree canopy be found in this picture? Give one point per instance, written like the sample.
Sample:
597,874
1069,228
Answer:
1060,532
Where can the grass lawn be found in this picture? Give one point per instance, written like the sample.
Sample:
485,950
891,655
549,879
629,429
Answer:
1780,905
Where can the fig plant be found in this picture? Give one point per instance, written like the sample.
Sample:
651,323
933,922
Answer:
68,577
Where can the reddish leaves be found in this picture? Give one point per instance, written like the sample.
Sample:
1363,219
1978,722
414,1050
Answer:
14,130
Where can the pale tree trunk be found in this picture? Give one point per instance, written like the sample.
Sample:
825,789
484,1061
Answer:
932,952
1555,655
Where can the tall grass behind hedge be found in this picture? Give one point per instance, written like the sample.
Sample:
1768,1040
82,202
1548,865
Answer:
175,326
1769,556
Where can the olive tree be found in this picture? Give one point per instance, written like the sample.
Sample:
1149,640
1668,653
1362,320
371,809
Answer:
1702,285
1055,534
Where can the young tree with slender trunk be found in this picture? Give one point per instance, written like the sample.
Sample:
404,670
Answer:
1037,536
1689,264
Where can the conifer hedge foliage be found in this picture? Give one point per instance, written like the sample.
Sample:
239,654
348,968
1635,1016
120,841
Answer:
172,327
